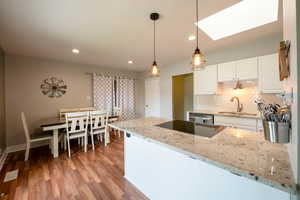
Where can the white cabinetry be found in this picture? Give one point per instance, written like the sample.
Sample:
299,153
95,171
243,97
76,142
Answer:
269,74
161,173
237,122
247,69
226,72
205,80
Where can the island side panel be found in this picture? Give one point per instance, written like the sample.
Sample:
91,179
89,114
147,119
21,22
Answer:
161,173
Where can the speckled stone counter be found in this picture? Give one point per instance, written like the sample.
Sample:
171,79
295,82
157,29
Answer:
239,151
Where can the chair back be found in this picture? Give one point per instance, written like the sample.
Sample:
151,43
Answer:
25,127
77,122
117,112
62,112
98,119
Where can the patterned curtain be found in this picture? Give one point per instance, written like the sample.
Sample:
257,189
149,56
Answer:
124,98
103,92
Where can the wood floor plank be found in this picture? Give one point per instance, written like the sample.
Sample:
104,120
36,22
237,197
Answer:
92,175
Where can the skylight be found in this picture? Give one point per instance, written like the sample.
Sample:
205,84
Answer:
243,16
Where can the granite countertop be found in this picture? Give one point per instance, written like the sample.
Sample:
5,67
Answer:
224,113
241,152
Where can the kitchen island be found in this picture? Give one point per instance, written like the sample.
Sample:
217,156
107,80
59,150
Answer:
234,164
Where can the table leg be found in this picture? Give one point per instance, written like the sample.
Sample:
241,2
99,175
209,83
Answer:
55,143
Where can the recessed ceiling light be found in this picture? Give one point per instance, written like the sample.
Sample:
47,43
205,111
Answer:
130,62
76,51
243,16
192,37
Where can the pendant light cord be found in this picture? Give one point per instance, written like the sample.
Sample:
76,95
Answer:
154,42
197,16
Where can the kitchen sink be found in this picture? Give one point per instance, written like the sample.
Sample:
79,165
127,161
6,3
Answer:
238,113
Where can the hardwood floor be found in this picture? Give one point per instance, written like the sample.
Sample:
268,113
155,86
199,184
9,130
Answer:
91,175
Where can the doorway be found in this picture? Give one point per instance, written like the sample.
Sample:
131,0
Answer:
183,96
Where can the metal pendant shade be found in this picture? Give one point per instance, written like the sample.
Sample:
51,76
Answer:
154,67
198,59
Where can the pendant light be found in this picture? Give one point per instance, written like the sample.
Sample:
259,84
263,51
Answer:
198,59
154,66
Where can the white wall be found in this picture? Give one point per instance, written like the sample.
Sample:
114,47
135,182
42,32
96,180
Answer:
259,47
290,33
2,104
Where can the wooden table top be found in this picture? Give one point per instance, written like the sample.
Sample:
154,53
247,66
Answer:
56,121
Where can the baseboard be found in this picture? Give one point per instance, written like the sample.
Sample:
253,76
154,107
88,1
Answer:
3,158
22,147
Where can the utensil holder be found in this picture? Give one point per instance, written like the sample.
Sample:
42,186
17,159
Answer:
277,132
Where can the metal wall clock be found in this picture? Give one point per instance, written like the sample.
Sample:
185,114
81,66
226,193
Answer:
53,87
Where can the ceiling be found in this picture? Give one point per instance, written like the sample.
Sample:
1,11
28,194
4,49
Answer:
109,33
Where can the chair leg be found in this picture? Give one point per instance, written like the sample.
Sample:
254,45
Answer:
65,142
106,134
85,142
93,144
27,151
69,151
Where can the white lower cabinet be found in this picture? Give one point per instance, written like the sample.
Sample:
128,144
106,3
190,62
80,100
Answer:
238,122
161,173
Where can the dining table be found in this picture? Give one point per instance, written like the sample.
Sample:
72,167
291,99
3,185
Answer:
56,124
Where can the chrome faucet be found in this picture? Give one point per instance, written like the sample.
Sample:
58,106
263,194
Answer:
239,105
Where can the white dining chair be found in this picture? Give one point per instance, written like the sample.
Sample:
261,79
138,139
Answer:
98,125
77,124
116,116
31,138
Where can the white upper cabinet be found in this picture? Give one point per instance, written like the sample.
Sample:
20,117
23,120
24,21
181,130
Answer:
269,74
205,80
226,72
247,69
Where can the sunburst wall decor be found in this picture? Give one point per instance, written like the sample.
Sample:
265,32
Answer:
53,87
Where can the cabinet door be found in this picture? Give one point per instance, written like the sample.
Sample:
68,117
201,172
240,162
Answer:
236,122
269,74
205,80
226,72
247,69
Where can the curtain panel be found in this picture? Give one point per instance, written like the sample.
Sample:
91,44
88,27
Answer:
125,98
110,92
103,92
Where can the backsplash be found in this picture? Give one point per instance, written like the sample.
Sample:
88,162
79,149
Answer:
221,101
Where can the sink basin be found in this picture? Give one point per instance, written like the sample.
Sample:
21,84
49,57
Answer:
238,113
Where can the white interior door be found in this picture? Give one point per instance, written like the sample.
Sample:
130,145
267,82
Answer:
152,97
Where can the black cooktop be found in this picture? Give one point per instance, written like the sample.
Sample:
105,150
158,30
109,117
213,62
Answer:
192,128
